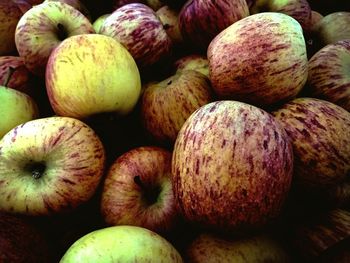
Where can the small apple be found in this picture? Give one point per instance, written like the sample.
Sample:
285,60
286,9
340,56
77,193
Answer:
166,105
44,27
300,10
99,22
121,244
232,167
144,196
92,74
193,61
10,14
16,108
155,4
14,72
77,4
21,241
320,134
315,18
48,166
139,29
329,77
210,248
169,18
200,21
260,59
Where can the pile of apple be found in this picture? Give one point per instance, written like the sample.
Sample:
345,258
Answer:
174,131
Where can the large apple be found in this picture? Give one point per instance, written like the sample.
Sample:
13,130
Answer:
166,105
16,108
44,27
260,59
121,244
201,20
210,248
92,74
139,29
138,190
10,14
329,77
232,167
320,134
49,165
300,10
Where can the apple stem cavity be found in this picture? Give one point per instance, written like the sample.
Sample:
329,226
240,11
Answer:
61,32
37,170
150,194
10,71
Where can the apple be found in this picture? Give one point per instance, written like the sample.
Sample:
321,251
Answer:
209,247
193,62
139,29
121,244
169,18
232,167
120,3
144,196
44,27
328,77
155,4
201,20
300,10
14,72
10,14
21,241
166,105
77,4
16,108
99,22
92,74
49,165
260,59
315,18
319,132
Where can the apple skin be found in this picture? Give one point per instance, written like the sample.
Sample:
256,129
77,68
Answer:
260,59
10,14
169,18
120,3
21,241
77,4
210,248
92,74
37,32
121,244
16,108
99,22
200,21
144,197
139,29
193,62
232,167
49,166
300,10
18,77
328,77
166,105
320,132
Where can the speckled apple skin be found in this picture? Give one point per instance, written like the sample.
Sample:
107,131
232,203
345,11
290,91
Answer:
320,134
200,21
260,59
232,166
139,29
329,75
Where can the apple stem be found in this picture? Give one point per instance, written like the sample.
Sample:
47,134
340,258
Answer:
10,71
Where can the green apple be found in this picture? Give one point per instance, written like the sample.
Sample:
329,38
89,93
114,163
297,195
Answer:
49,165
99,22
16,108
121,244
91,74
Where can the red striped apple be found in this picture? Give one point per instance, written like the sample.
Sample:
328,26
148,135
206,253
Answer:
260,59
232,167
48,166
138,190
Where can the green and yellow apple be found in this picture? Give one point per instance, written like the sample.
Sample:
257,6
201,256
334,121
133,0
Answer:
193,62
121,244
169,18
99,22
44,27
49,165
91,74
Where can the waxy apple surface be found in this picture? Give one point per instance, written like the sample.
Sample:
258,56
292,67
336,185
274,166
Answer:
232,166
49,165
43,27
92,74
260,59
